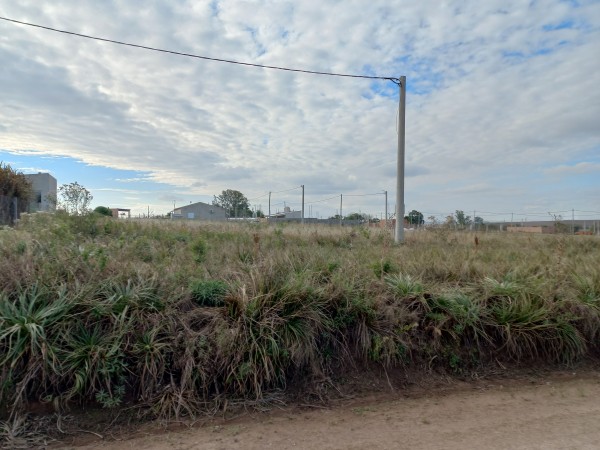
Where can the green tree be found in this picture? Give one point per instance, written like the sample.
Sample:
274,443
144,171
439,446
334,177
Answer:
461,219
103,211
13,185
234,202
415,218
478,220
355,216
75,199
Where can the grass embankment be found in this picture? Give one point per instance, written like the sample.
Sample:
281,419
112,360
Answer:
170,316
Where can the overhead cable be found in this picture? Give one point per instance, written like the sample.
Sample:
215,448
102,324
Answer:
191,55
323,200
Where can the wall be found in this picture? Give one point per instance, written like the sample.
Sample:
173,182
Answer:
200,211
43,184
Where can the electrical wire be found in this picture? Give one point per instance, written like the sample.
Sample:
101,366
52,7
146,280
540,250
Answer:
260,196
362,195
286,190
323,200
191,55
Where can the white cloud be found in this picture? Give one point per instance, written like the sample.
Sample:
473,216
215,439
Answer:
577,169
491,94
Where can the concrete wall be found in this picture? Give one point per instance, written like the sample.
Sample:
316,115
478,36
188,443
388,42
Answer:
43,185
530,229
200,211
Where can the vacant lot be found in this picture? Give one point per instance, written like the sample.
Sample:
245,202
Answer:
174,319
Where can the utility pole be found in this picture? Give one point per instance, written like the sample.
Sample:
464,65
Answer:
341,195
399,231
386,211
269,204
302,205
572,221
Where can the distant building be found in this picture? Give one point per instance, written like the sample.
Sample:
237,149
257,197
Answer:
120,212
44,192
200,211
286,214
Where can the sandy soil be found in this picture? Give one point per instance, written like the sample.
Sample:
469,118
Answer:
553,412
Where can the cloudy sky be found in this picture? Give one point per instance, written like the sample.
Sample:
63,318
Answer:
502,116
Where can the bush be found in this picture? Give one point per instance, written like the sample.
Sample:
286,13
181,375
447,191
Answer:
103,211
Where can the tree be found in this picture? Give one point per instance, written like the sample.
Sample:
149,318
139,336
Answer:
415,218
478,220
461,219
15,193
75,199
234,202
103,211
355,216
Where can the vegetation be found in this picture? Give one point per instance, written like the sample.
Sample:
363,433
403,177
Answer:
103,211
75,199
13,185
234,202
415,218
170,316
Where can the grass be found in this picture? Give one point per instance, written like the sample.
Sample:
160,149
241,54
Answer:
172,317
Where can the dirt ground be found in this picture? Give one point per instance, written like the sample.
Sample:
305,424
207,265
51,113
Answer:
553,411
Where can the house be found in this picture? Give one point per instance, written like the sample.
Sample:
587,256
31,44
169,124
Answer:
44,192
286,214
200,211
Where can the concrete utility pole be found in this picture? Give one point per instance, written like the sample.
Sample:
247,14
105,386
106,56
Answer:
341,196
399,231
269,203
302,204
572,221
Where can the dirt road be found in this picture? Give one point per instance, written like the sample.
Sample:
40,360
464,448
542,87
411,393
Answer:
557,412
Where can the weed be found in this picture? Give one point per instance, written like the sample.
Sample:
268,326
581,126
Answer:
383,267
404,285
209,292
199,249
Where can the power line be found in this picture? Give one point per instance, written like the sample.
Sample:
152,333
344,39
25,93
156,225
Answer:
191,55
260,196
362,195
286,190
324,200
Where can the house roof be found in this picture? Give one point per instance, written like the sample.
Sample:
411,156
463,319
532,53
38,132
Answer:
199,203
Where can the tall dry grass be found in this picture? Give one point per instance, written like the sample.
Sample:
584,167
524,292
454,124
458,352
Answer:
173,316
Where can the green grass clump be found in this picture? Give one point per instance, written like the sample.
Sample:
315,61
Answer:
209,292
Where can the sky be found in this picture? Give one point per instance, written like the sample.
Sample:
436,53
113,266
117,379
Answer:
502,107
